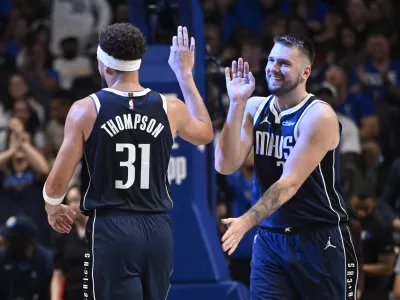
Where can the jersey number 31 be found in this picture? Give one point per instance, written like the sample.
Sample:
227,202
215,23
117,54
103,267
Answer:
144,167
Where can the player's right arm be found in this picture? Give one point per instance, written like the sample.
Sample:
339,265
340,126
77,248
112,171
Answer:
56,284
236,138
191,121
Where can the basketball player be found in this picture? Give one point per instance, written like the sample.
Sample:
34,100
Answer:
125,134
302,248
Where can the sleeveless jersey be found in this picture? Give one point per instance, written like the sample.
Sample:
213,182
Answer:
127,153
320,198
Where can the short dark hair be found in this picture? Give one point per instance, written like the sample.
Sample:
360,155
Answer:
303,43
122,41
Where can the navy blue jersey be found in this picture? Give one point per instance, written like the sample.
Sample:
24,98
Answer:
127,153
319,199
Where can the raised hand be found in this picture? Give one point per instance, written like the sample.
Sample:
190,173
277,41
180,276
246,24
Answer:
241,84
181,57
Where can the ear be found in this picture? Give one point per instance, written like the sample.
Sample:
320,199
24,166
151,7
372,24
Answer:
110,71
307,72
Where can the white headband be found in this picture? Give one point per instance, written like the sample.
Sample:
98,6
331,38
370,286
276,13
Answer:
117,64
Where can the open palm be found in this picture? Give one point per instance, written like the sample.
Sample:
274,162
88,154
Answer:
241,84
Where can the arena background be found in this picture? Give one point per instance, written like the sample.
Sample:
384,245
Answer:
47,61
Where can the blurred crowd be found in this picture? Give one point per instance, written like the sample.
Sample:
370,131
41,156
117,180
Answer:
48,61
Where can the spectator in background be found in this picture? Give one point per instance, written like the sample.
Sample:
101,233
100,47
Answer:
23,171
86,18
357,15
86,85
60,104
347,51
379,76
377,242
69,254
70,65
355,105
19,31
252,52
238,192
390,198
375,166
42,79
25,265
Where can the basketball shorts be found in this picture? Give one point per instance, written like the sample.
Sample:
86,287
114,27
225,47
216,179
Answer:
311,263
129,256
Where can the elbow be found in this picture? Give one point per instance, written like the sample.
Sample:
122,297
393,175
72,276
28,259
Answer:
224,170
289,186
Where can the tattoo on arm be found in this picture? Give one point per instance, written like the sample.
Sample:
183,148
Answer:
266,206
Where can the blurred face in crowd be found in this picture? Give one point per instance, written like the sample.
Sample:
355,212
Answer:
69,48
22,111
347,37
35,56
253,55
362,207
43,36
20,30
267,3
356,10
297,27
378,47
73,200
59,110
17,87
374,12
285,69
336,76
122,13
213,38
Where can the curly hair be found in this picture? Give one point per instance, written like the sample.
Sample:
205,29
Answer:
123,41
301,42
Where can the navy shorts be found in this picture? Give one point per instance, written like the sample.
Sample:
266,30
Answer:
129,256
317,262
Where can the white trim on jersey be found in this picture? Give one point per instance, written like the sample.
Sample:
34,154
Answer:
128,94
96,101
340,232
164,103
278,116
334,174
94,222
90,181
295,131
260,109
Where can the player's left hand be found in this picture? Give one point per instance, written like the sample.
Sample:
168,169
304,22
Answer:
236,230
181,57
60,217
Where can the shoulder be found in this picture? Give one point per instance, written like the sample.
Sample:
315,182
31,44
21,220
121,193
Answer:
82,110
256,103
319,111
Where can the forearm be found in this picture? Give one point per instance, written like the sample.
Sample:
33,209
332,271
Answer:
277,195
56,284
228,152
193,99
378,269
36,159
5,156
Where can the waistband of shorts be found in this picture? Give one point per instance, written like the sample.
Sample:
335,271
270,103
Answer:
112,211
305,228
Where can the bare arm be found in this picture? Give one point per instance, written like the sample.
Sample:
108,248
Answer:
6,155
236,138
384,267
319,133
56,284
195,127
70,153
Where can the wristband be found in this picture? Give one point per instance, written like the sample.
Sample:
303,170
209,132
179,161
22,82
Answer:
50,200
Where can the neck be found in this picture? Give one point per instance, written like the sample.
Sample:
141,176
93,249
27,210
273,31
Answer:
292,98
126,81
